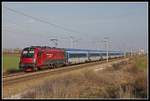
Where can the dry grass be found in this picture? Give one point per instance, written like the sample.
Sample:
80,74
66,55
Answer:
123,80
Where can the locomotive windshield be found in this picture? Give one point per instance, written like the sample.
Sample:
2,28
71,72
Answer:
28,53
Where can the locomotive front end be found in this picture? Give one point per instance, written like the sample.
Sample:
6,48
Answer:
27,59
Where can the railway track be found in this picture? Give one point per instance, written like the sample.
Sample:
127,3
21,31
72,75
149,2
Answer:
13,74
21,77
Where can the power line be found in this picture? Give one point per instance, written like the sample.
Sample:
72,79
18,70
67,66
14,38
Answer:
43,21
40,20
36,32
12,31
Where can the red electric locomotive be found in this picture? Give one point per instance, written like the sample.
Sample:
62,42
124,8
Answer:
36,57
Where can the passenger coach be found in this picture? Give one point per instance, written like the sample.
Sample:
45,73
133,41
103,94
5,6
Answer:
38,57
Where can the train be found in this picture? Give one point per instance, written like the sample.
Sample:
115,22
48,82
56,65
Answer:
38,57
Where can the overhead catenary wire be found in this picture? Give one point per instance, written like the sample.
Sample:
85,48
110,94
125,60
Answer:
41,20
12,31
56,33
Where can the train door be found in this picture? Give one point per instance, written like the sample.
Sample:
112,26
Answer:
39,58
66,57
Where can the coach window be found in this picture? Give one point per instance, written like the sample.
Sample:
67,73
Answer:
103,53
94,54
77,55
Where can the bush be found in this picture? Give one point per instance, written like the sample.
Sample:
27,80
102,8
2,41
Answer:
12,71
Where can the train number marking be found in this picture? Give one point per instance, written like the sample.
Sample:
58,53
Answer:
49,55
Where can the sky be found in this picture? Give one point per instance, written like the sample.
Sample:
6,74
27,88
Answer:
75,25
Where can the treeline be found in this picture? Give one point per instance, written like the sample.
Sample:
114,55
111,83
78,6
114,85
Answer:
12,51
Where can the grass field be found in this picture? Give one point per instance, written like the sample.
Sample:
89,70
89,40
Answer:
10,62
141,62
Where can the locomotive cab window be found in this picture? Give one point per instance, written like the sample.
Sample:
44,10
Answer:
28,53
